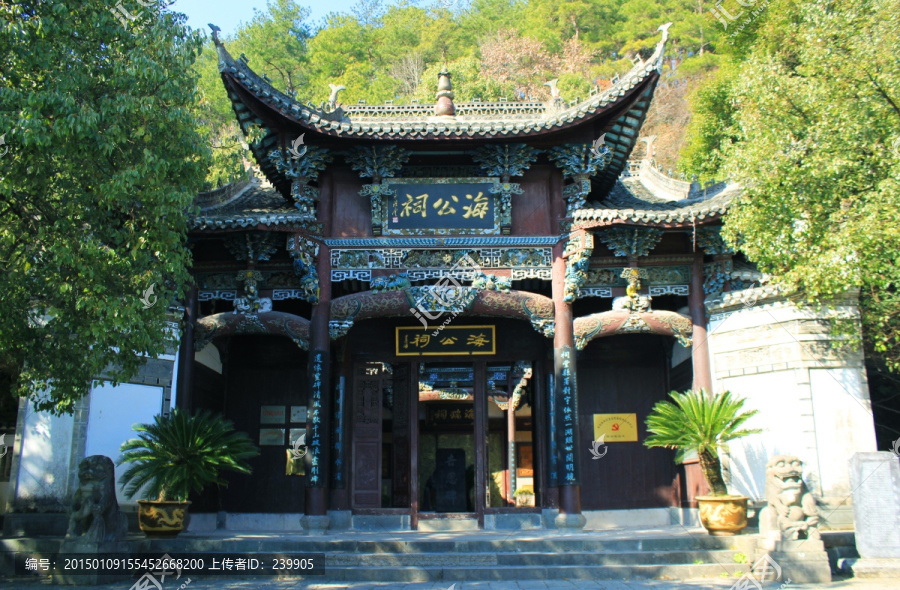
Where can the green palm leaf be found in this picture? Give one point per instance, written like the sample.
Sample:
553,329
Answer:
180,453
696,422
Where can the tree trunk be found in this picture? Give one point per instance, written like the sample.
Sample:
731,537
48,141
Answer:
712,471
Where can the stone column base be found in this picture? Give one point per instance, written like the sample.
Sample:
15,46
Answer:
315,525
570,523
801,562
872,567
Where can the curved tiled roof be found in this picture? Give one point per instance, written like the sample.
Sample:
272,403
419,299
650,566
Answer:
631,202
417,122
244,205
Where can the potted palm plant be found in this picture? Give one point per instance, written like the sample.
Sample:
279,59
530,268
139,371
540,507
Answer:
176,455
524,496
703,424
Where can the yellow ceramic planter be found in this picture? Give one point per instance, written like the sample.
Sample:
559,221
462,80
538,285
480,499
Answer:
723,516
161,519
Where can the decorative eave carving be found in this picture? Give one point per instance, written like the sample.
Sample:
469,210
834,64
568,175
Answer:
377,163
301,171
630,241
522,371
610,323
225,324
578,257
505,161
252,247
579,162
710,240
304,253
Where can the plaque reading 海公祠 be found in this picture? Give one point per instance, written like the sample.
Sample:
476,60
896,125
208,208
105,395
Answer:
420,206
450,341
271,415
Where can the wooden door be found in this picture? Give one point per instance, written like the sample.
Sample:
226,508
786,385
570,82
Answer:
624,375
366,433
400,456
264,371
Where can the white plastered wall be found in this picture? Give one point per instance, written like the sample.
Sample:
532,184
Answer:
42,470
114,410
812,399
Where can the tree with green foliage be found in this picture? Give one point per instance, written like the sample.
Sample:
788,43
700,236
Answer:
102,163
811,129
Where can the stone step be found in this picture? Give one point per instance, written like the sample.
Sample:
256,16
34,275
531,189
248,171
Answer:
531,572
513,544
471,559
434,525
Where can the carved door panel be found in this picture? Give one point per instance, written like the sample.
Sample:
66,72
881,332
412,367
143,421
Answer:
400,432
366,472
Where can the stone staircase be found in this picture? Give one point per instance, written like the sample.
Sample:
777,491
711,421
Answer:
454,557
390,556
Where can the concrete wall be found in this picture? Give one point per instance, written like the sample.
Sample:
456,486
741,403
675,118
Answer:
811,393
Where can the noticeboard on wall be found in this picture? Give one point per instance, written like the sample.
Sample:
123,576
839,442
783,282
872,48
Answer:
271,415
298,414
269,437
616,427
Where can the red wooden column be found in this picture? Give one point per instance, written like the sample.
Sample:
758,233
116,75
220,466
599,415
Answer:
183,399
699,337
565,378
319,402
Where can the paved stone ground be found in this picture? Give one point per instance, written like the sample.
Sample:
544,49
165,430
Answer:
267,584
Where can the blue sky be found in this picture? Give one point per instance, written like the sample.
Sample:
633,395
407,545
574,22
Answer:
227,14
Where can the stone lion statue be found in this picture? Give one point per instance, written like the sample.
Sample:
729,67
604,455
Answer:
791,513
94,513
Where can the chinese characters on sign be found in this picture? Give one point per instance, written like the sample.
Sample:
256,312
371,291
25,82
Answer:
615,427
337,444
449,414
452,341
553,470
567,415
436,204
314,423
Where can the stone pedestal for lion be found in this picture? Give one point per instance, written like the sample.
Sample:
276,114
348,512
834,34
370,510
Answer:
788,525
96,525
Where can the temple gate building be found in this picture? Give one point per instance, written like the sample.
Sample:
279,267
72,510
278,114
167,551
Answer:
441,307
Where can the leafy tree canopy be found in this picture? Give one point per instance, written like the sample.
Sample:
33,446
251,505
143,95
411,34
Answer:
101,164
811,128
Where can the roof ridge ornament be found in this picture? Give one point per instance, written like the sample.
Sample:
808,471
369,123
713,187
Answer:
333,97
444,106
555,99
215,33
